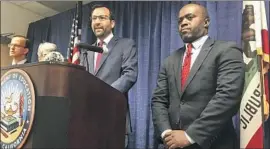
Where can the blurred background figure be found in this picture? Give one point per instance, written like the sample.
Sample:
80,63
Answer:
48,52
54,56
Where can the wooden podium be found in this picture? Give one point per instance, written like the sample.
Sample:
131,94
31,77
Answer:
73,109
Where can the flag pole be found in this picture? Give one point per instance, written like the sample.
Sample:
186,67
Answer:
79,15
70,46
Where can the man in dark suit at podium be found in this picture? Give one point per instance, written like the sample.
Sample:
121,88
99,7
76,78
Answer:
199,88
118,67
18,49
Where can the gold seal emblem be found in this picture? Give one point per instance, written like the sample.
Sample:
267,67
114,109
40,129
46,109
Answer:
17,108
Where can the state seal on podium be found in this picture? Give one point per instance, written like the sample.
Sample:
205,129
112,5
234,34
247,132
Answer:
17,108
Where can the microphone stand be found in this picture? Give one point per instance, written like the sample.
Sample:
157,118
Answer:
85,58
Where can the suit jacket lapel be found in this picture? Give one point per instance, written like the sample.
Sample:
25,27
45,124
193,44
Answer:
178,68
110,47
199,60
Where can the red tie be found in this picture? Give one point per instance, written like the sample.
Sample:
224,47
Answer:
99,55
186,66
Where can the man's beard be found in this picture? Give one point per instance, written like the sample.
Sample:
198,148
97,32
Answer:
99,34
192,36
187,38
99,31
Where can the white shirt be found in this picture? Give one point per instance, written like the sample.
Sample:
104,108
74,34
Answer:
196,48
105,44
20,62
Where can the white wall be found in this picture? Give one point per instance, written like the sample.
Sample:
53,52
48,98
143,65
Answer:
15,19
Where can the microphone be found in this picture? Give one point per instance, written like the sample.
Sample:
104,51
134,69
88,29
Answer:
89,47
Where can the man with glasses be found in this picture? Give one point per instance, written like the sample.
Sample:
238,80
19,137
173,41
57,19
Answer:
18,49
118,67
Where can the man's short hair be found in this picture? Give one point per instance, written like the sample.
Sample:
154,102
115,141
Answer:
100,6
46,48
27,41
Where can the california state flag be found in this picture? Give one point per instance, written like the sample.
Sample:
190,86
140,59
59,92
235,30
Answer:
254,108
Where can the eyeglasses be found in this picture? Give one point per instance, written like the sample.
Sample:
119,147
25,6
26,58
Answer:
15,45
101,18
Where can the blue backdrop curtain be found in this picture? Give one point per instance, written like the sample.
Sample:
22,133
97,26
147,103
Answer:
153,25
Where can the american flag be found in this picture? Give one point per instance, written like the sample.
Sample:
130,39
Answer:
73,53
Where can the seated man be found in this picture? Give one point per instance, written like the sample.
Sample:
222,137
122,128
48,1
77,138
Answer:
48,52
54,57
18,49
44,49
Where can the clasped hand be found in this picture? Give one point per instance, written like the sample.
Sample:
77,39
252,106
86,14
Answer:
175,139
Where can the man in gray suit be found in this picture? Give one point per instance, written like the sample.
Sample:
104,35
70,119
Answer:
199,88
118,67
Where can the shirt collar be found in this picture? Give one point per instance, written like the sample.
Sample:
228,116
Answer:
199,42
20,62
107,39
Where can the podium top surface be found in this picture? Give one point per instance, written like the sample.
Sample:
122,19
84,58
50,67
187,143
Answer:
65,64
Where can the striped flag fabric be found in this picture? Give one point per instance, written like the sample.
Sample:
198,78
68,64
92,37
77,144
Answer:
254,109
73,53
